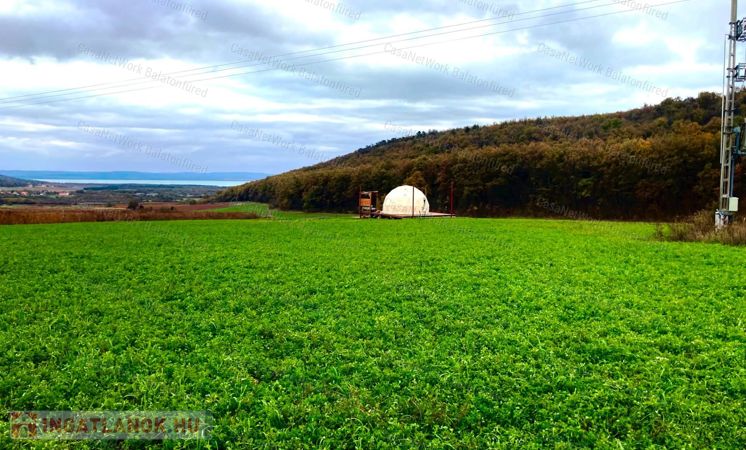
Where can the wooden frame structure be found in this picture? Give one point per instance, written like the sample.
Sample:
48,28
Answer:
368,204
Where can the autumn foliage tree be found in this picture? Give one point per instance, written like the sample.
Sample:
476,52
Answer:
649,163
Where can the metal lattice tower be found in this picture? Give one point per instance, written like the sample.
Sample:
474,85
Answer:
731,141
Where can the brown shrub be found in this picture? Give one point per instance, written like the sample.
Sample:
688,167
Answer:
701,228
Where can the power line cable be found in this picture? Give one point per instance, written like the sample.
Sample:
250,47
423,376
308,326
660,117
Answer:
211,68
350,56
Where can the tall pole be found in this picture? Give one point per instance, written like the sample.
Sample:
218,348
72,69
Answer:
733,10
412,201
452,197
730,139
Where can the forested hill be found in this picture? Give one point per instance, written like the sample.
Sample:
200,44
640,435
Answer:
649,163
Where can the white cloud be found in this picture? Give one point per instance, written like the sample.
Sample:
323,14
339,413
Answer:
637,36
346,103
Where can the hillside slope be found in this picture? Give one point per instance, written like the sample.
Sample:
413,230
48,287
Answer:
648,163
6,181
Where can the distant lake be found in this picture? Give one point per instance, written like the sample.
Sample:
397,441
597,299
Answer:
219,183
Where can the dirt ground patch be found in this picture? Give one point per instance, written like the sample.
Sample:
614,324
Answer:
164,211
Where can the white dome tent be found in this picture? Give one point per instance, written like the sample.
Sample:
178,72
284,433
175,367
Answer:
406,201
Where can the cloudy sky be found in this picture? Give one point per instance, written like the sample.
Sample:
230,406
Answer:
270,85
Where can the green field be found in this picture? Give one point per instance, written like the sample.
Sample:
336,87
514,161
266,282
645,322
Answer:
342,333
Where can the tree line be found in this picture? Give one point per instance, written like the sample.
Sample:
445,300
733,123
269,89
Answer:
650,163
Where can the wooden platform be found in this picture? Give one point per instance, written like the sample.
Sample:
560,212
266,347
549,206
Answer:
432,215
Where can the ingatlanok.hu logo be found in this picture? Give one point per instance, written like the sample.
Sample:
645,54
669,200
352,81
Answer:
110,425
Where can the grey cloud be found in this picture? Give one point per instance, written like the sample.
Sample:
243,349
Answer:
406,94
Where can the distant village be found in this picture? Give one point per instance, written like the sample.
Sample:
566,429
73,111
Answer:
56,194
40,190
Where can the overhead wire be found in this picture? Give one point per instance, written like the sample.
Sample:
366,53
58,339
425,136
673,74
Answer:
212,68
355,56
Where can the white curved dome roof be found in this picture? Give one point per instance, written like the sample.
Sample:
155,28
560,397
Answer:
399,202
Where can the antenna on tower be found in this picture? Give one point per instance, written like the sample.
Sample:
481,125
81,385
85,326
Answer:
731,142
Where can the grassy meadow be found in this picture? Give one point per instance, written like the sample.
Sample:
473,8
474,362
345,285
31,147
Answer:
332,332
